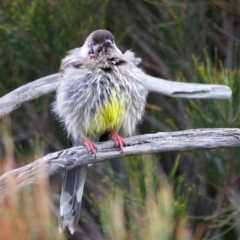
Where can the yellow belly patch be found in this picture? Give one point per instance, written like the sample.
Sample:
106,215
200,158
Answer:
109,117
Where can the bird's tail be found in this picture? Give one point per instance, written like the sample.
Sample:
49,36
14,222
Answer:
71,198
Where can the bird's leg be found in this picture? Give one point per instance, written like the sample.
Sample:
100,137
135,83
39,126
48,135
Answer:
119,141
90,145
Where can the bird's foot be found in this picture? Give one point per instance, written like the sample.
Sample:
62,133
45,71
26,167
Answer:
92,55
119,141
90,145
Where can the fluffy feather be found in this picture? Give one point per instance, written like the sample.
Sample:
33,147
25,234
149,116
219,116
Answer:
96,94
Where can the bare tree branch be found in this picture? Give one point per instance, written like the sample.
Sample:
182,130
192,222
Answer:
143,144
48,84
28,92
188,90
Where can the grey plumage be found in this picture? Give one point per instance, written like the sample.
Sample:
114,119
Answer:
71,197
90,76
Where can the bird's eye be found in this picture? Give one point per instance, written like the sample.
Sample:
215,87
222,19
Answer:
93,43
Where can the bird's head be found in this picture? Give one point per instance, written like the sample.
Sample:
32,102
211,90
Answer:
100,41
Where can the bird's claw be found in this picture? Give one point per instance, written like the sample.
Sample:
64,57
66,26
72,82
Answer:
90,146
119,141
92,55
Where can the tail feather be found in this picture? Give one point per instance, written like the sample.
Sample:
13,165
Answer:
71,198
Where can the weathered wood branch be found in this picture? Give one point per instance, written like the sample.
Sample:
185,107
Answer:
188,90
28,92
143,144
48,84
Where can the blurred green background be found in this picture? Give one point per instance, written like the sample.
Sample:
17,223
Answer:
176,195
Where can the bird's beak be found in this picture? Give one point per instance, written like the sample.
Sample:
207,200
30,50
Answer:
107,43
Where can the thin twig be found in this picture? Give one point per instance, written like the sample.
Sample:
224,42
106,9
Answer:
143,144
223,31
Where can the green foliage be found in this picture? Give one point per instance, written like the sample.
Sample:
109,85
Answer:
145,209
220,168
35,35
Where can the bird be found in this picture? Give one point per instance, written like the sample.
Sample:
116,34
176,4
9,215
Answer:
102,92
